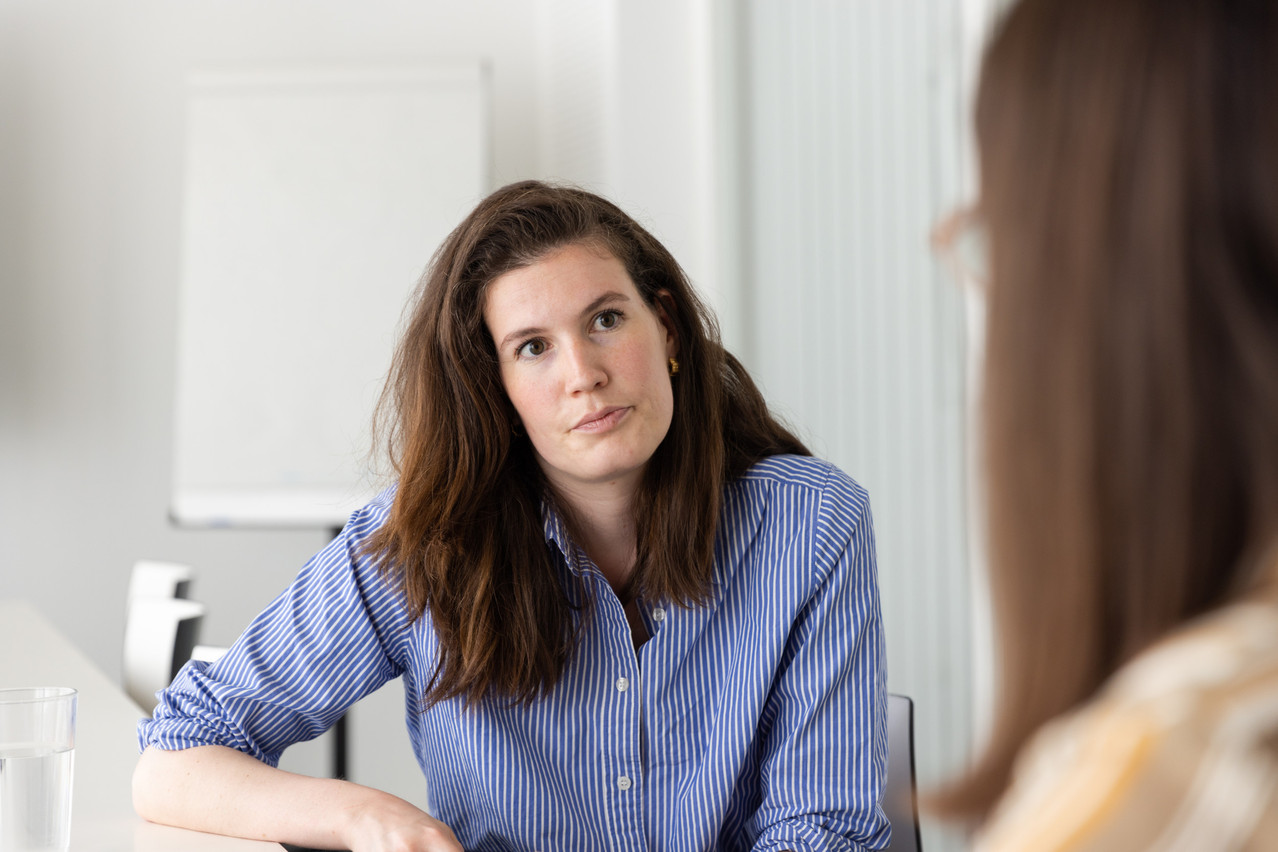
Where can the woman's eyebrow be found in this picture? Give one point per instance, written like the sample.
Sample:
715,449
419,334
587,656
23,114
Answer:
610,296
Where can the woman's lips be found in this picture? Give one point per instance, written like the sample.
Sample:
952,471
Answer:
601,420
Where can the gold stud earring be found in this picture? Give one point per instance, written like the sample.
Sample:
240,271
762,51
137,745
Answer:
674,367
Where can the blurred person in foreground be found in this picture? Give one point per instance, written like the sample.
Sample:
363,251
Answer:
629,610
1128,156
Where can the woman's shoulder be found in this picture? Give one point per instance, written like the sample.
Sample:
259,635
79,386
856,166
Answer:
1189,728
816,479
800,471
373,514
801,496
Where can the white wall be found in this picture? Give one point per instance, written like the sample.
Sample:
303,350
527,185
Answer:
628,98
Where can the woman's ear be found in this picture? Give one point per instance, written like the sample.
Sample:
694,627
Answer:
665,307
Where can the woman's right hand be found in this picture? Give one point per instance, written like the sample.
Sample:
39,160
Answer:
380,822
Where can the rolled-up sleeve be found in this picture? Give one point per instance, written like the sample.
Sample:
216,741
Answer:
337,633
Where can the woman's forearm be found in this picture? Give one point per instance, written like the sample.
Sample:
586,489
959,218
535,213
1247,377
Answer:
223,791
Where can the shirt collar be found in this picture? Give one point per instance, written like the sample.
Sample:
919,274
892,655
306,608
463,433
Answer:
557,532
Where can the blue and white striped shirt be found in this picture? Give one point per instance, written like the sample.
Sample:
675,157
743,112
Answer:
755,721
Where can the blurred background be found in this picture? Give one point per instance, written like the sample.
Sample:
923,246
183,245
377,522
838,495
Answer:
794,156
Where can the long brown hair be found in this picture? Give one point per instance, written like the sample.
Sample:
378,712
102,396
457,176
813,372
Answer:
465,535
1129,182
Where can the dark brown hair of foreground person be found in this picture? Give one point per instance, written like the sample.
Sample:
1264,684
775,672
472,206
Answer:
1129,182
465,535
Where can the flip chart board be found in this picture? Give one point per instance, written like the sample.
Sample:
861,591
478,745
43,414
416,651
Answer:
313,202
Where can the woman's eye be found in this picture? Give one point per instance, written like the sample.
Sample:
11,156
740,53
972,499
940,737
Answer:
608,319
531,349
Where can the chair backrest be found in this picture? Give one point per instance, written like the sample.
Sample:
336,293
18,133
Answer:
152,579
158,638
160,628
899,799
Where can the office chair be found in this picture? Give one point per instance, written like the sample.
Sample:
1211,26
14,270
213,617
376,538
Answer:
161,628
899,800
158,638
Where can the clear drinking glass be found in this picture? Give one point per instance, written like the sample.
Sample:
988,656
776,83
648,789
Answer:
37,754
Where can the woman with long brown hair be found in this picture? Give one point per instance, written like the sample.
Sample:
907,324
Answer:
1128,157
629,610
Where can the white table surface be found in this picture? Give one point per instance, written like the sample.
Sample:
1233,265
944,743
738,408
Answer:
34,653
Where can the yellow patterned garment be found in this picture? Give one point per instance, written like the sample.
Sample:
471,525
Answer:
1179,752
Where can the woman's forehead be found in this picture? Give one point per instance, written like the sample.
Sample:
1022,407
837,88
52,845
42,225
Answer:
558,287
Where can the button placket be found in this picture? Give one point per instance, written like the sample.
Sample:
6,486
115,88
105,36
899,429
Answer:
624,753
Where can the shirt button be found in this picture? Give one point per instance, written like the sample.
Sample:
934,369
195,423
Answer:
658,615
623,684
623,783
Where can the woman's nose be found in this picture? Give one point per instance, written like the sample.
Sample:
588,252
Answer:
585,369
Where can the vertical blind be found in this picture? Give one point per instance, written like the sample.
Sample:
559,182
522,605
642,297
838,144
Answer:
852,122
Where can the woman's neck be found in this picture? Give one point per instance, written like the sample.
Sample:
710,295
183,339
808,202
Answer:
603,525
